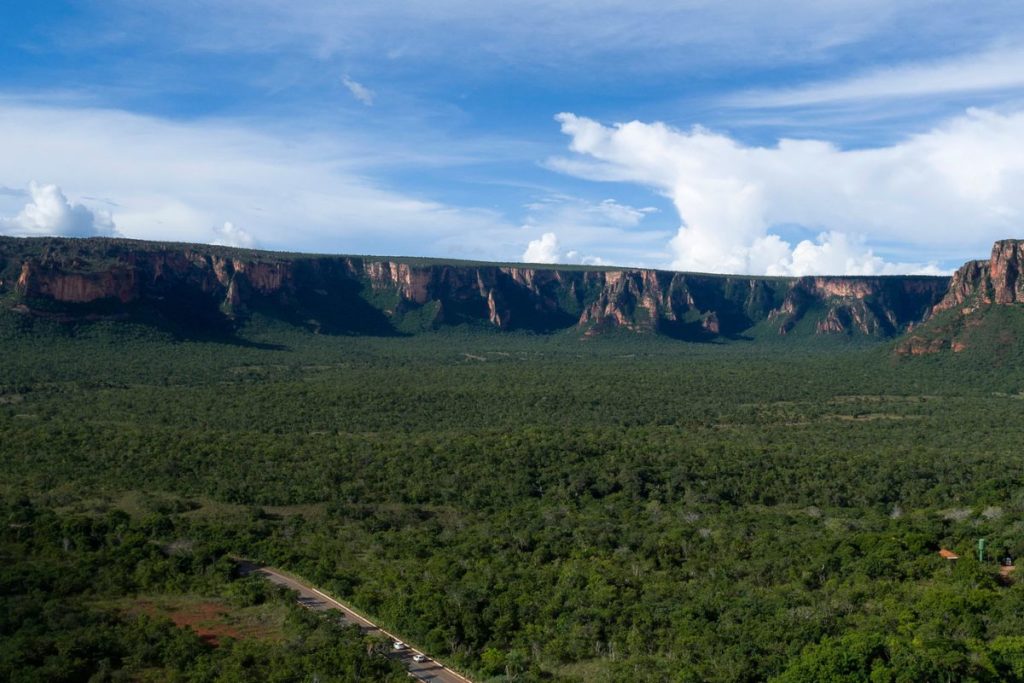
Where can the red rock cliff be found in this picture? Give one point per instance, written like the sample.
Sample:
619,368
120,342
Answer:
974,288
979,283
231,282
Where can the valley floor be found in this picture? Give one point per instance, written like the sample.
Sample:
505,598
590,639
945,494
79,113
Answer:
524,507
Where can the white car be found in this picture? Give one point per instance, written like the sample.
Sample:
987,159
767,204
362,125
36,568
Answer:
419,658
398,645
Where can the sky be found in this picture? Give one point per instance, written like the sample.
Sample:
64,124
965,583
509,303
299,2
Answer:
781,137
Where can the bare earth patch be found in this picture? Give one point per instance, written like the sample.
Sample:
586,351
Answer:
211,619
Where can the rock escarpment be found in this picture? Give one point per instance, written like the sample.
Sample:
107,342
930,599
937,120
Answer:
974,289
877,306
996,281
349,294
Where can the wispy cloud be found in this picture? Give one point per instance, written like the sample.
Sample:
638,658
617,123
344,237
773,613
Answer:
566,35
992,70
291,192
358,90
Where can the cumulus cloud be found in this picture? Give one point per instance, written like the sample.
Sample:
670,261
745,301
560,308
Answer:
831,253
545,249
576,257
50,213
358,90
954,186
574,230
230,235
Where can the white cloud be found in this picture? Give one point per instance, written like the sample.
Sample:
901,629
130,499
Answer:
585,228
230,235
574,210
622,214
954,186
292,190
542,250
50,213
992,70
577,257
832,253
358,90
547,249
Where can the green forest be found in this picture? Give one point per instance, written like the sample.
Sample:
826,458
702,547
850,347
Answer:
524,507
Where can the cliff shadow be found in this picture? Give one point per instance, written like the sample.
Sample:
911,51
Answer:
334,308
688,331
537,314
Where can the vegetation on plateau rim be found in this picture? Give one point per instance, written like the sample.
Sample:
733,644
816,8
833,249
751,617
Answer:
530,507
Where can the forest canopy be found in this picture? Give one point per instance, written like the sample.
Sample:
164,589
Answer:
526,507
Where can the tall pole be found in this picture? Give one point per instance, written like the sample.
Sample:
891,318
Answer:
981,550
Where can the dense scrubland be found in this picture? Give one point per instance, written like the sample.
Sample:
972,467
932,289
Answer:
530,507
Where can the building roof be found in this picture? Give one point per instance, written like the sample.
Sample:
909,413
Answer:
948,554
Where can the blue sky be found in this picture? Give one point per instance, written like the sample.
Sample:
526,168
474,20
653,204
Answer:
749,136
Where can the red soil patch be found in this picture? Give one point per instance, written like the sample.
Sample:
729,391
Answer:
207,619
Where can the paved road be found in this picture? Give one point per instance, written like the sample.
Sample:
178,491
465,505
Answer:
313,599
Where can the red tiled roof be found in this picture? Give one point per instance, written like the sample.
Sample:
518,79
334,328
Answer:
948,554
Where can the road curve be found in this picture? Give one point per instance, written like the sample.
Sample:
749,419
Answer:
314,599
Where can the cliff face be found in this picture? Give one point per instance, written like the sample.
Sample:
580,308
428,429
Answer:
879,306
969,285
116,283
973,290
340,294
1004,272
979,283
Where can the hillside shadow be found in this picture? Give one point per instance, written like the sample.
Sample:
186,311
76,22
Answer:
328,312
